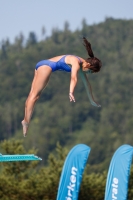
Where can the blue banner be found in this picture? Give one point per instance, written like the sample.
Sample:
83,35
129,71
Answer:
72,172
118,174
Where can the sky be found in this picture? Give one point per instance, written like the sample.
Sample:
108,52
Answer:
25,16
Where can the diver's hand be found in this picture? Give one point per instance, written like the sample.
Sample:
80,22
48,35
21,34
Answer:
71,97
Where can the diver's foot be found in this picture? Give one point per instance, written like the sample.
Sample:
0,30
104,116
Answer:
25,127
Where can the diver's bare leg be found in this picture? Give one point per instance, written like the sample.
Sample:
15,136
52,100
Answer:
40,81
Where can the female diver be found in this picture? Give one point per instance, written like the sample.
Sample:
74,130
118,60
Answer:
68,63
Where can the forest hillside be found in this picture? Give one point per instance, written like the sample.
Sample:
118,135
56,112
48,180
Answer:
55,119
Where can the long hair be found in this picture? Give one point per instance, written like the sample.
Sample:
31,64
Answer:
95,63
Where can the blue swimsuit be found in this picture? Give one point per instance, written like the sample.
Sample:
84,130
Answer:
59,65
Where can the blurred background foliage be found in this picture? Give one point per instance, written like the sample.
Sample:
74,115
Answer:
29,180
55,119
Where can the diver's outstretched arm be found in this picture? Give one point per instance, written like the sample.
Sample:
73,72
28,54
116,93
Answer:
88,88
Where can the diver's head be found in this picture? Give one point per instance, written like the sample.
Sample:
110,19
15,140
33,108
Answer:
92,63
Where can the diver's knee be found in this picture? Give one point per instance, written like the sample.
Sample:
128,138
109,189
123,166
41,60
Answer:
34,97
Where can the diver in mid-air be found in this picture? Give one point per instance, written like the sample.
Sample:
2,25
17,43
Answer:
67,63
